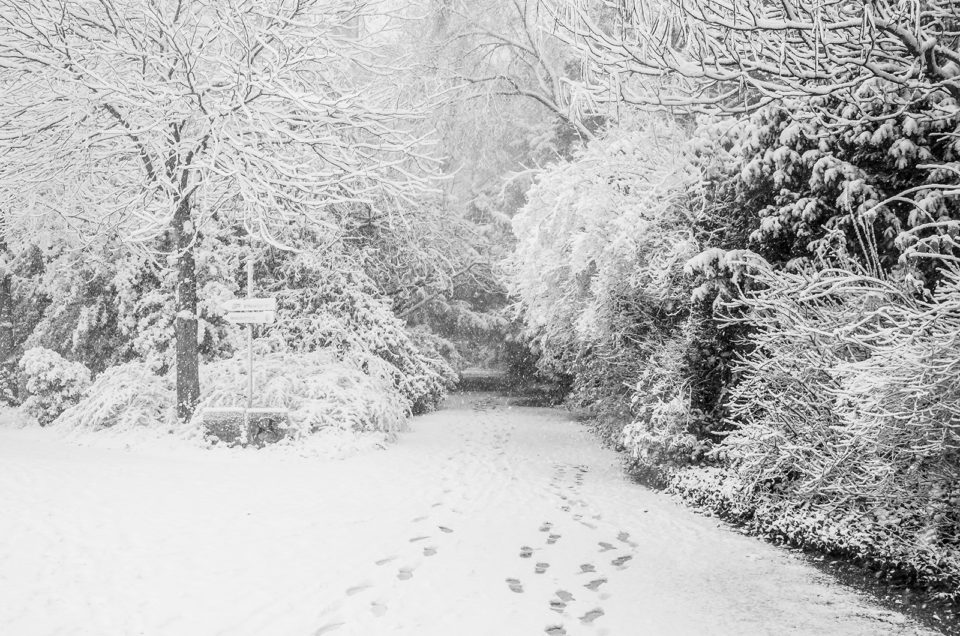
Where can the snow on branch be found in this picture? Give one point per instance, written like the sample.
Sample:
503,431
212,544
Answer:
738,55
266,111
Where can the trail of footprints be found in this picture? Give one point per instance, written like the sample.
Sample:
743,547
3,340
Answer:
404,573
593,580
469,445
430,548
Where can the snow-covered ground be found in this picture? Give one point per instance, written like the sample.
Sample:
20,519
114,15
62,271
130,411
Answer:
485,520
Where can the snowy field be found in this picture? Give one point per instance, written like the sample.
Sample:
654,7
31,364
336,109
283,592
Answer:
485,519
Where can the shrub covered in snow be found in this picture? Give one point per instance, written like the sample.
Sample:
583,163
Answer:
128,395
51,383
324,306
318,388
598,266
845,419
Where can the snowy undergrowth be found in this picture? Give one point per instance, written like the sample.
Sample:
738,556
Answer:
320,391
336,407
125,396
845,435
852,531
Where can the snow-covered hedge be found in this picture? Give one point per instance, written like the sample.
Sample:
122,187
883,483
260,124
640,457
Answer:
52,384
845,420
664,422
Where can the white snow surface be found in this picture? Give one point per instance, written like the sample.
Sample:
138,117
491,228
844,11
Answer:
484,519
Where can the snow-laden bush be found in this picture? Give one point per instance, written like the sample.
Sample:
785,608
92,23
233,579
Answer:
322,305
664,429
846,417
51,383
125,396
318,388
598,266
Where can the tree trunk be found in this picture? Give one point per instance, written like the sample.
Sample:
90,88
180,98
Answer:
7,344
185,324
9,389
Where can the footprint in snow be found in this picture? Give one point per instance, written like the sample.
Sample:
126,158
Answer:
619,561
557,605
526,552
546,526
541,568
356,589
420,518
595,584
515,586
420,538
445,529
556,630
591,616
552,539
405,574
587,567
385,561
378,609
604,546
624,537
429,551
326,629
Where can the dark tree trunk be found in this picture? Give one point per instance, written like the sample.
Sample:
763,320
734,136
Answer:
7,343
185,325
9,389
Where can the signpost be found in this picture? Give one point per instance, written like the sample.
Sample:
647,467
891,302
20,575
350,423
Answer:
249,311
260,425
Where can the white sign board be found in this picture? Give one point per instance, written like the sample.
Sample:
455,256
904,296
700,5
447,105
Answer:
250,304
251,317
248,311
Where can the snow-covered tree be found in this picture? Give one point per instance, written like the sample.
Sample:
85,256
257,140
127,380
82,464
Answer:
731,56
151,119
598,266
808,180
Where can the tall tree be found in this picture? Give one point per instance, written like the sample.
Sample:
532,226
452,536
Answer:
152,117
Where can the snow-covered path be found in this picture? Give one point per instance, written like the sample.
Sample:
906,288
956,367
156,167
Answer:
485,520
